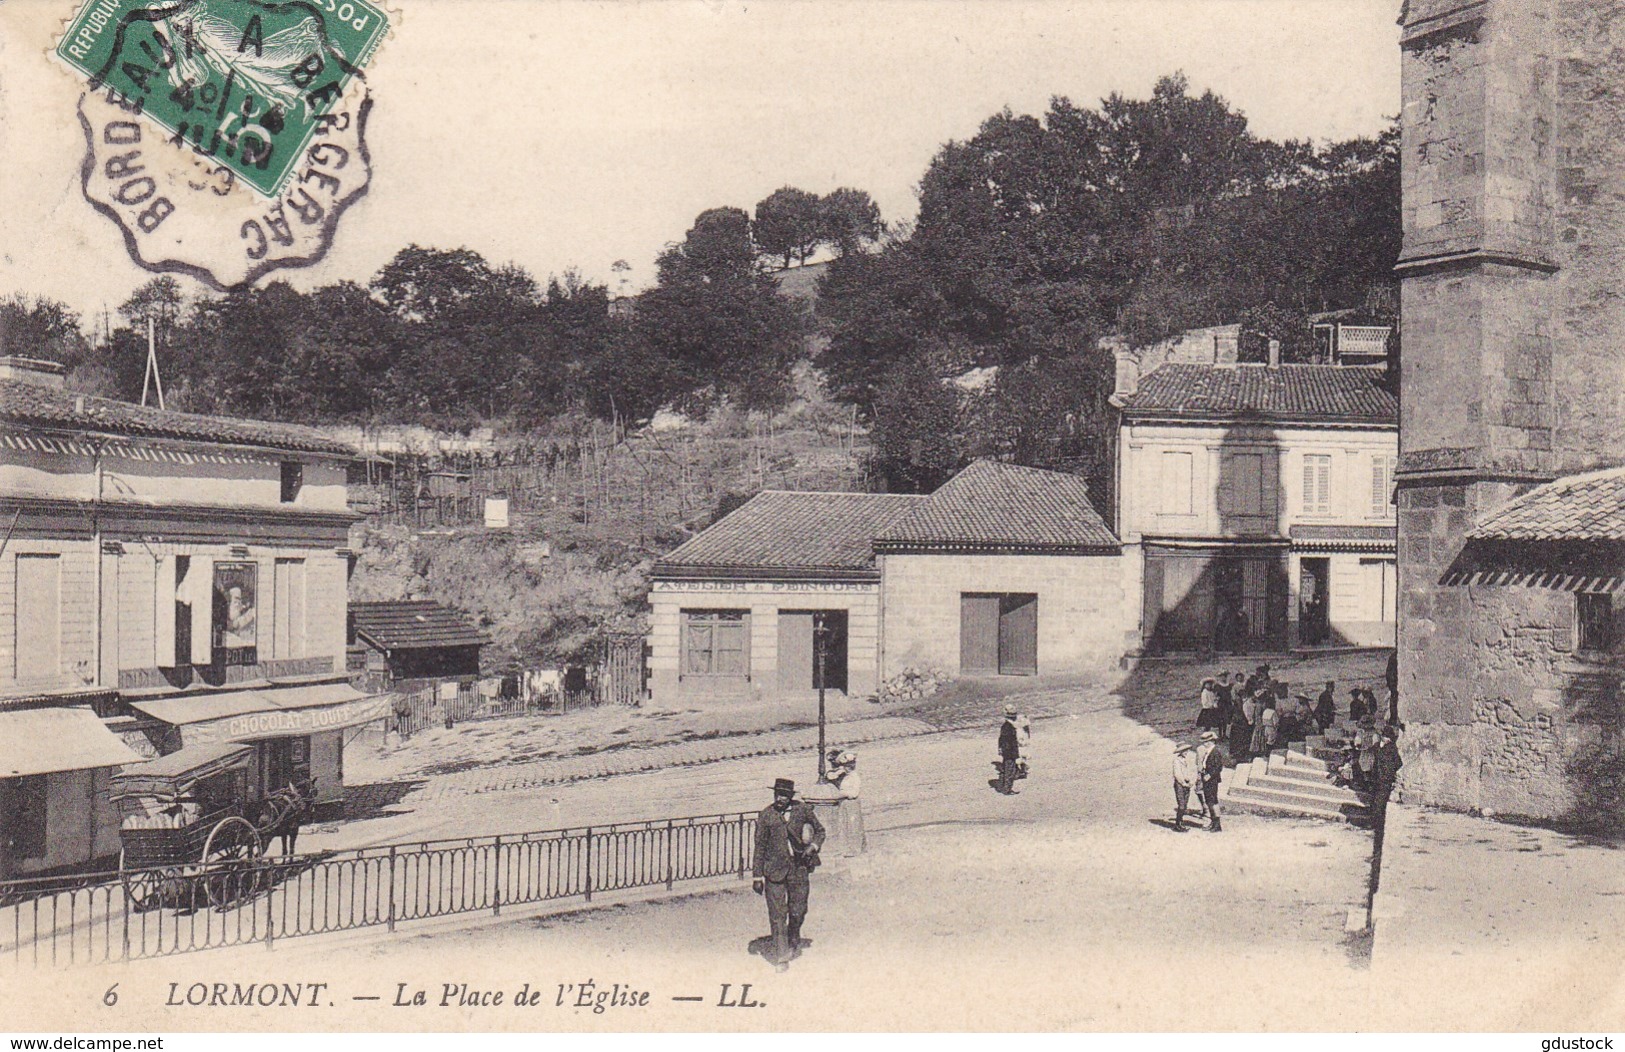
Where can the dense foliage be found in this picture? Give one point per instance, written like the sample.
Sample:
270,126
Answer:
974,332
1040,235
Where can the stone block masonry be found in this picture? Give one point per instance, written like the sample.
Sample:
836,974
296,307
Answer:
1513,174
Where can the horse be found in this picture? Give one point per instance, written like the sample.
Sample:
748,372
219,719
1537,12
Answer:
286,810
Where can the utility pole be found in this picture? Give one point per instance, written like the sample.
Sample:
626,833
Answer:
152,376
821,650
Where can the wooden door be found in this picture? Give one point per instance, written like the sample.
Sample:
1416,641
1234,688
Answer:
795,650
1018,635
978,633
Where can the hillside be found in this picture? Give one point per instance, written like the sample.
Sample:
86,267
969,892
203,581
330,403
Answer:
591,507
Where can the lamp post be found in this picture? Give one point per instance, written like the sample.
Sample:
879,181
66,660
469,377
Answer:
821,652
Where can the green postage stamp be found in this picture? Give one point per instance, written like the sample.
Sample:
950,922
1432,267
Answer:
241,81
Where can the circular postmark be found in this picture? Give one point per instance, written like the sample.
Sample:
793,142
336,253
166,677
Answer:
224,137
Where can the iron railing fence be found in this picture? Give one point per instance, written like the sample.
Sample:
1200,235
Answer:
111,917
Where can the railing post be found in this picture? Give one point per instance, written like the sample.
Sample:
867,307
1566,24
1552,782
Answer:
588,847
270,913
744,845
124,889
391,920
669,834
496,879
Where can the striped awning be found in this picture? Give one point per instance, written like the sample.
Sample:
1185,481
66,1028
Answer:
1572,566
1551,580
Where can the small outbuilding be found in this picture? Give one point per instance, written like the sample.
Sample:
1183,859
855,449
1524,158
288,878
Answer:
412,642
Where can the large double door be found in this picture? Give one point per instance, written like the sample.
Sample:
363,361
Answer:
1198,601
998,633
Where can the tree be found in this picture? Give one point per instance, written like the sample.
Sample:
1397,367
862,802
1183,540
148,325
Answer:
849,220
422,284
1266,324
876,309
916,431
1052,412
790,224
41,328
717,326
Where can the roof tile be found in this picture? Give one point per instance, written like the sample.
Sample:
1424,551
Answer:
1588,507
1298,393
413,624
34,404
1004,505
803,531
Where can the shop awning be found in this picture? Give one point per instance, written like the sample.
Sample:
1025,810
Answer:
39,741
1553,580
247,715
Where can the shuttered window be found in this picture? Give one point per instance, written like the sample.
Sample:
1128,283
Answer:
1382,484
1241,484
716,643
1176,483
1317,485
38,617
288,639
1594,621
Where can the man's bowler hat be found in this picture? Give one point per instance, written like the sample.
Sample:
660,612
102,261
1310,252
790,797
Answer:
784,785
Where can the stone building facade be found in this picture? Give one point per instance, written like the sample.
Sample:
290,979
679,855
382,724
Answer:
1255,506
1004,570
1514,251
167,580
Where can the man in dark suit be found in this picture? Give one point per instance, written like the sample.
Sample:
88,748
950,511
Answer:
788,839
1009,751
1209,769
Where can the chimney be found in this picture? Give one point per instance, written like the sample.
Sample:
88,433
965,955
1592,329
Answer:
31,371
1128,374
1275,354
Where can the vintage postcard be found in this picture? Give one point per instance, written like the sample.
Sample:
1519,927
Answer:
1025,516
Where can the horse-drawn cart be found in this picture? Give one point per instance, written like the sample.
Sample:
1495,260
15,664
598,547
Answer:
191,835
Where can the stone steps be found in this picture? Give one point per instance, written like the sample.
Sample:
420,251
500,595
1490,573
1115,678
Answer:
1292,780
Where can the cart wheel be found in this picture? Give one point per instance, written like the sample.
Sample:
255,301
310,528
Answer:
143,886
230,862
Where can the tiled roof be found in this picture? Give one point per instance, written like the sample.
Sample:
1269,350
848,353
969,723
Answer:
794,531
1297,393
34,404
410,624
1589,507
991,504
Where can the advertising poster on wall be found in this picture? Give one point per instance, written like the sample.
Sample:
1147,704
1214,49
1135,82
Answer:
235,609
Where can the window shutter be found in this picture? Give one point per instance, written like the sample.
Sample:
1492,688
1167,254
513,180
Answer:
1317,485
163,613
200,585
1382,483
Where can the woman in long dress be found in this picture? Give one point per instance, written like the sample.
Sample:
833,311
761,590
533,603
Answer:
1264,730
1241,728
1207,716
